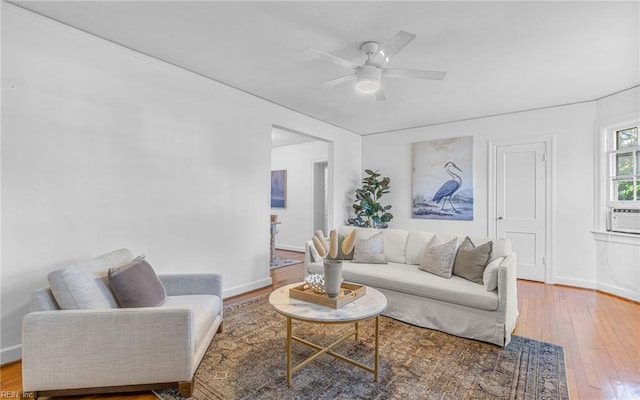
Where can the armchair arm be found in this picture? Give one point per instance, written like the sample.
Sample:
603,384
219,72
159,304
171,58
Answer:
508,293
70,349
182,284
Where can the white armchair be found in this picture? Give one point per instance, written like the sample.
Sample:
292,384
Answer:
82,351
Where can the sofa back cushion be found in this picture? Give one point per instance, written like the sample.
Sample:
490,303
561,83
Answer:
395,241
395,245
43,300
417,244
501,247
85,284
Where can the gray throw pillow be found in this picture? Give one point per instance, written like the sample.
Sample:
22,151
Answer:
438,257
370,250
137,285
471,261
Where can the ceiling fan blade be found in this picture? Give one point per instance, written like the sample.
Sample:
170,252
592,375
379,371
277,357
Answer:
413,73
328,57
379,95
336,81
393,47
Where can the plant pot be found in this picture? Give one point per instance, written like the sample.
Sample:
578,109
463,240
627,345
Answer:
332,277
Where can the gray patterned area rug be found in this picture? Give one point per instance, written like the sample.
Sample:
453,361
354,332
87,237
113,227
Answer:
247,361
283,262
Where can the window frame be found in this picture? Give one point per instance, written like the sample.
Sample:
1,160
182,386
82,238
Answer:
610,166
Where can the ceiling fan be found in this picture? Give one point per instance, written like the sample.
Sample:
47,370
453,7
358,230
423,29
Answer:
368,76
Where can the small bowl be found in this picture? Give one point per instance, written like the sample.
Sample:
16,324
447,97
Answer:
315,282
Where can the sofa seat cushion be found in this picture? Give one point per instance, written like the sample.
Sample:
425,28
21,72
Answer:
409,279
204,310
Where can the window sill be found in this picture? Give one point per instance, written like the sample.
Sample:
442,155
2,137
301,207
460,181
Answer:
616,237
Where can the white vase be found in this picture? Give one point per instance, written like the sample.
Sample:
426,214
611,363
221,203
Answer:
332,277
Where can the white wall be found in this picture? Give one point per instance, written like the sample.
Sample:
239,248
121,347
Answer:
571,127
296,220
105,148
617,255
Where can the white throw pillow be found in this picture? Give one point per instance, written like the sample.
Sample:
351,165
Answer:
438,258
490,275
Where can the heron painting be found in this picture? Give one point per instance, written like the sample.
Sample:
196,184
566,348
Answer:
451,186
443,179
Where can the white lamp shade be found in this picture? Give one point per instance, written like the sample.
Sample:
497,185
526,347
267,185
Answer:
368,79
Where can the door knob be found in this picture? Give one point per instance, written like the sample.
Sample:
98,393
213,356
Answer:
500,218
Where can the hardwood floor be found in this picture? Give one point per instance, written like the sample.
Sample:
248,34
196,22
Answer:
600,335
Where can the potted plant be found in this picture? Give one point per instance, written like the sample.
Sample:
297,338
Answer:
369,211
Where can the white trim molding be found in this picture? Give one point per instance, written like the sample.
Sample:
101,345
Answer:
620,292
601,131
617,237
240,289
290,248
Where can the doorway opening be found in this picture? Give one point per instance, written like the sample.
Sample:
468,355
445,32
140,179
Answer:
305,162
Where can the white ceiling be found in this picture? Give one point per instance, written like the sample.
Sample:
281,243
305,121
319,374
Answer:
500,57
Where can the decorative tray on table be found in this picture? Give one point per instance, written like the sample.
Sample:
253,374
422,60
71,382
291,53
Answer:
348,293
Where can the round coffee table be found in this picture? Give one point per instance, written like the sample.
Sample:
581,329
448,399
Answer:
366,307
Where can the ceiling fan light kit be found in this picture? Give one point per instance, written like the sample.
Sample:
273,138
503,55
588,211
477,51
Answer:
368,79
368,75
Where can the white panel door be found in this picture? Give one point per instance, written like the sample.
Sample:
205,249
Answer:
521,205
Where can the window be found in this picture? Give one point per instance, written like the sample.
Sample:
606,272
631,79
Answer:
624,165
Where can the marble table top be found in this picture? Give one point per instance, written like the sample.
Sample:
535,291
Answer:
369,305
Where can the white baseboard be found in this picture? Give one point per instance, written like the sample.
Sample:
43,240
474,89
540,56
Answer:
574,282
290,248
615,290
9,354
626,293
246,288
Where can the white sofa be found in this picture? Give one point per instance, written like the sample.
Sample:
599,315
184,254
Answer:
79,351
456,306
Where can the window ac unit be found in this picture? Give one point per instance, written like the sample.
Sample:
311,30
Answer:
625,220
